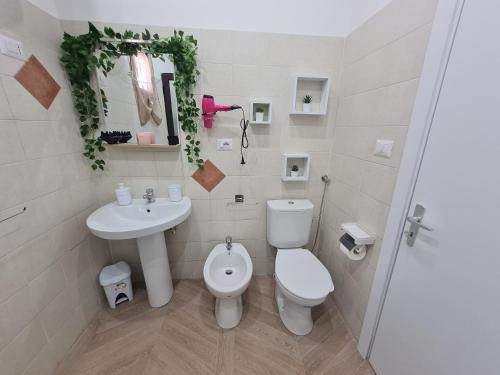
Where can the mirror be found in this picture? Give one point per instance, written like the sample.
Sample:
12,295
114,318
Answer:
144,107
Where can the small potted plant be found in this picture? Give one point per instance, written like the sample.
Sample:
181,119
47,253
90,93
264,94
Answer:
306,103
294,172
259,114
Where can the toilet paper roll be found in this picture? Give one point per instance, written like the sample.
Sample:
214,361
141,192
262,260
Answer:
357,253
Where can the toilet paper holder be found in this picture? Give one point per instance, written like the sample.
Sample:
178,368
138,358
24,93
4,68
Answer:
354,241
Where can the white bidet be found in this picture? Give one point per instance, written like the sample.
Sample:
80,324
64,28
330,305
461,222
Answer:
227,274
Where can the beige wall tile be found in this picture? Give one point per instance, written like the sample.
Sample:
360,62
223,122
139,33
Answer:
248,48
11,276
216,46
43,364
22,105
36,255
16,356
378,182
47,285
66,336
39,138
382,64
56,313
15,314
217,79
75,262
169,164
11,149
41,168
345,197
396,62
391,105
46,175
397,19
14,184
4,105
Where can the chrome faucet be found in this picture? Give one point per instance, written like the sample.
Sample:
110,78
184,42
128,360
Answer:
229,243
150,195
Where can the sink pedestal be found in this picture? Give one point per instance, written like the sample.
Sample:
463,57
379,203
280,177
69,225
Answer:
154,260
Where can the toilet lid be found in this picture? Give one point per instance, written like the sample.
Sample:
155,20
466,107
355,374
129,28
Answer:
302,274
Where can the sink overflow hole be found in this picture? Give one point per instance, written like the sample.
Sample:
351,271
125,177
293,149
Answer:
229,272
148,210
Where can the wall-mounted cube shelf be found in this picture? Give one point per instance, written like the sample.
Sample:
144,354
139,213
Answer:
316,86
266,115
301,160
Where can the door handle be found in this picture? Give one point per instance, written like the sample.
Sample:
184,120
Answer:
417,221
415,224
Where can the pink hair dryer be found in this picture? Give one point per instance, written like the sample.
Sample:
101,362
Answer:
209,109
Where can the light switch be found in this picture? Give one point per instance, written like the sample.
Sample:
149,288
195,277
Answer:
383,148
11,47
224,144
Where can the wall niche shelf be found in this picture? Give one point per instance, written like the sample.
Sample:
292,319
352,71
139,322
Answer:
264,104
301,160
316,86
136,147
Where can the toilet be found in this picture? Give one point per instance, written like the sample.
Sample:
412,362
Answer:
227,273
302,281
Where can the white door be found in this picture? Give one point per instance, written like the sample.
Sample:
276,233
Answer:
441,315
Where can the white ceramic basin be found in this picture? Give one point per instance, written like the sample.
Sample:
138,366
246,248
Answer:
140,219
146,223
228,273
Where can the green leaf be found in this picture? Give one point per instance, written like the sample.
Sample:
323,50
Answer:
109,32
146,35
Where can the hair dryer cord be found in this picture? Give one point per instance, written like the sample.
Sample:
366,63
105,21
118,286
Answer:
244,138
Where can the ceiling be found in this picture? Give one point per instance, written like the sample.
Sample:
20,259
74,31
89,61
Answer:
311,17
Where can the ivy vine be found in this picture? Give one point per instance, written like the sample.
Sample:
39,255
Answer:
83,54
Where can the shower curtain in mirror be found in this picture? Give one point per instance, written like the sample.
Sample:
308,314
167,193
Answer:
148,103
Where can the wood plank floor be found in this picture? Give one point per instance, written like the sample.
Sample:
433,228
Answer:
183,338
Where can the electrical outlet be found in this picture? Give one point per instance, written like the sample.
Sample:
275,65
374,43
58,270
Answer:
383,148
11,47
224,144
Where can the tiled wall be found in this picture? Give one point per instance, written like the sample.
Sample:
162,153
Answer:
382,64
235,67
48,261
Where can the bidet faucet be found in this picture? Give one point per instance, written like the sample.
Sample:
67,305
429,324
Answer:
150,195
229,243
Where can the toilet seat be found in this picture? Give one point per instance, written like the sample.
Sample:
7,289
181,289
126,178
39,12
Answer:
302,275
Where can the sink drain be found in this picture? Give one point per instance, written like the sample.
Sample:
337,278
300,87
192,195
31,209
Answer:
229,272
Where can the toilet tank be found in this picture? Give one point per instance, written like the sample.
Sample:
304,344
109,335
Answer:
289,222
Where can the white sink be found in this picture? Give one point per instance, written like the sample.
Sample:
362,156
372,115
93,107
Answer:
145,222
114,222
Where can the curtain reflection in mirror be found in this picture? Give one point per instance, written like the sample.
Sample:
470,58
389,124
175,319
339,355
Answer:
148,103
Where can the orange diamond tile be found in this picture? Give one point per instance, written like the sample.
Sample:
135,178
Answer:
38,81
209,176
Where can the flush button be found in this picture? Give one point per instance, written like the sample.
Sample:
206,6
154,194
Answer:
291,202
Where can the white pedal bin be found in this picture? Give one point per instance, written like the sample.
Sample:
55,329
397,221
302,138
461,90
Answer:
115,280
